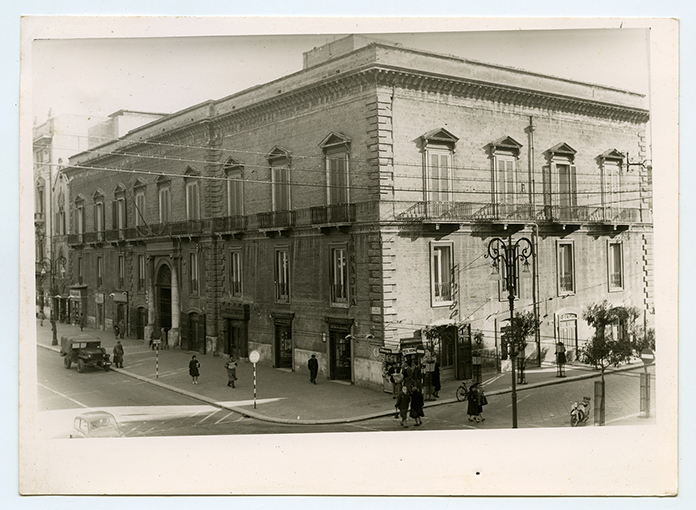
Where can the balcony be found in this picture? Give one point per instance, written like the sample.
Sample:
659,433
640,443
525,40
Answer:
455,213
276,221
191,228
230,225
115,235
332,216
75,239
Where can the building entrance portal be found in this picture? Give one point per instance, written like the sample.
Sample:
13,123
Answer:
340,358
164,298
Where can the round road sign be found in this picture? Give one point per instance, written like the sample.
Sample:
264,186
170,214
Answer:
647,356
254,356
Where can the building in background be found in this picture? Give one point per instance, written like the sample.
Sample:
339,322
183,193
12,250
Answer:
341,210
54,141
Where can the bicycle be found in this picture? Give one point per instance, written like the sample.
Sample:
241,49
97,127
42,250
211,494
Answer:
462,392
580,412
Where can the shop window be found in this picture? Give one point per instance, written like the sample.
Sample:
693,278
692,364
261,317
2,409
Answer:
441,274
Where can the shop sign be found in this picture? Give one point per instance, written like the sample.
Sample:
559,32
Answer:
386,350
237,311
407,351
99,298
75,294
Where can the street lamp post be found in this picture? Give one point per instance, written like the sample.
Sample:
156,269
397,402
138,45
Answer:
52,268
509,254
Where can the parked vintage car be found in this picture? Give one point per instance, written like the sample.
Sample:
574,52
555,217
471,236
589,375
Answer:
85,351
96,424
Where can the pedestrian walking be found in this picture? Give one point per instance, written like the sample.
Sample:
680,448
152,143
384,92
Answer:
474,404
397,379
402,402
118,354
122,328
42,317
436,380
313,366
417,405
163,337
115,328
151,345
82,322
231,367
194,371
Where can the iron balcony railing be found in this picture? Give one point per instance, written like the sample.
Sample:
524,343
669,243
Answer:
465,212
230,224
340,213
276,219
191,227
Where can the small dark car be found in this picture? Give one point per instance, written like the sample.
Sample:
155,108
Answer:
85,351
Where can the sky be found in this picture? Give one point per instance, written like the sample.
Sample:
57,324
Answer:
99,76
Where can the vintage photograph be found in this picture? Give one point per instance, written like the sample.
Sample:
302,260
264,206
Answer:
347,237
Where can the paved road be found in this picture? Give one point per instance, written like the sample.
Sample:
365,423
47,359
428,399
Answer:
148,410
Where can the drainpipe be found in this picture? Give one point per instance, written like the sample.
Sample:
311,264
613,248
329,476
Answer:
535,241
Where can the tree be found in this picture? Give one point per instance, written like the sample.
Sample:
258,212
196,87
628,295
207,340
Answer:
610,344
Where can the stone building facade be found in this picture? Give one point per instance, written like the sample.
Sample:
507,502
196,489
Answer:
340,210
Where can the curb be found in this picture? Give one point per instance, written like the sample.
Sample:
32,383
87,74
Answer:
330,421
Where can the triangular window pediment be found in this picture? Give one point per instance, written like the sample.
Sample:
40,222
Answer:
162,180
119,190
439,136
232,164
138,184
562,149
506,144
335,140
612,155
98,195
277,153
190,171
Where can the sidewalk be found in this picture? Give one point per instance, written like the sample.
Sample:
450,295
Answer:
284,396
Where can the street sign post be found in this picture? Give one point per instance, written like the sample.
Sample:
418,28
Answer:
648,358
156,342
254,357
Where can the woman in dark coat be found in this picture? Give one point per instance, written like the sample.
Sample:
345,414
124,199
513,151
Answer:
417,405
474,404
193,369
402,403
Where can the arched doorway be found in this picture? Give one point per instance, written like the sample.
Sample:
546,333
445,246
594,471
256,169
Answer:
164,298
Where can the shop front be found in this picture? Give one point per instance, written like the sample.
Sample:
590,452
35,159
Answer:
77,305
